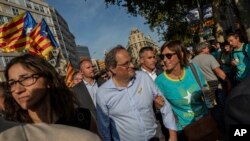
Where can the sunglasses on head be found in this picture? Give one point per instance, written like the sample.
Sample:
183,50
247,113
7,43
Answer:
167,55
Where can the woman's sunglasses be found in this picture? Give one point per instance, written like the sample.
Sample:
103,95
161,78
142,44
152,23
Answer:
167,55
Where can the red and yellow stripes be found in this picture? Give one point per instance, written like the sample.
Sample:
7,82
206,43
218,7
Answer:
11,35
69,75
39,44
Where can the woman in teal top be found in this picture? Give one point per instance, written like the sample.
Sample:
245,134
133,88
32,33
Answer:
180,87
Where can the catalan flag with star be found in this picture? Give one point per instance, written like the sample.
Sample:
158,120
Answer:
13,35
42,40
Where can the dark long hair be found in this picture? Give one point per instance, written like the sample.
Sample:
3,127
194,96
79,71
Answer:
178,47
62,99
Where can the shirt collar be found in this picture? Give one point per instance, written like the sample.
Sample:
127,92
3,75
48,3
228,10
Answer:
152,73
86,83
111,85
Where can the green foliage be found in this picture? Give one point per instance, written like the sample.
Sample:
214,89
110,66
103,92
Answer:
167,17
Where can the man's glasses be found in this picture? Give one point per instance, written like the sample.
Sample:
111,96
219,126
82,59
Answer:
24,81
125,65
167,55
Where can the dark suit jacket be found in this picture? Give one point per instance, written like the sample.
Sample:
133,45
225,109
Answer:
82,95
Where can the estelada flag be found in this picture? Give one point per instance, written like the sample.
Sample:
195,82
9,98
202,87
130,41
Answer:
42,40
69,75
13,35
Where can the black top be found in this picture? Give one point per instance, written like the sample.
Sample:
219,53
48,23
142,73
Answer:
80,119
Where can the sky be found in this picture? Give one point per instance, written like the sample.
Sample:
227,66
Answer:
98,27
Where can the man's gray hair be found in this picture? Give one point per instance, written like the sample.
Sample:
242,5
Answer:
200,46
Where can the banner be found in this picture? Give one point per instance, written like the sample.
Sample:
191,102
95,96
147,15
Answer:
69,75
13,35
42,40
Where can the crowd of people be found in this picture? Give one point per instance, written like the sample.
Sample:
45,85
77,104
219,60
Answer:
125,102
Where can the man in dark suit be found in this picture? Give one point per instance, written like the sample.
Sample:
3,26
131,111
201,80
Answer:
85,90
82,95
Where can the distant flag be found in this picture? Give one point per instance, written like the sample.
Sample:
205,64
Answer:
69,75
13,34
42,40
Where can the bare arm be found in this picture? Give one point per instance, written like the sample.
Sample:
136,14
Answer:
172,135
220,73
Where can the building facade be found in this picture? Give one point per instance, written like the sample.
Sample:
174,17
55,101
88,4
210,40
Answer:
40,9
65,38
98,65
4,60
83,51
137,40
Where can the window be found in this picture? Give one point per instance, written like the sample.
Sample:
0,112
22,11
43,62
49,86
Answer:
36,7
7,59
1,20
15,11
41,8
9,19
28,4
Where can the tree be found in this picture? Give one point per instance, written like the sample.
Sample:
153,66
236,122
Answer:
219,35
241,9
168,17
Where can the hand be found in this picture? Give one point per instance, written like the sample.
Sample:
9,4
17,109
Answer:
233,63
159,101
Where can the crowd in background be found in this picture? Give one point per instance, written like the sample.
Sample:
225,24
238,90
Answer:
154,101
